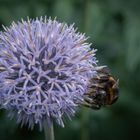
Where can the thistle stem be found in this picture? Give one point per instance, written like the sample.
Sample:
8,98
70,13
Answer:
84,124
48,129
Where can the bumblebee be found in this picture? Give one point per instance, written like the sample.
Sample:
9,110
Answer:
103,89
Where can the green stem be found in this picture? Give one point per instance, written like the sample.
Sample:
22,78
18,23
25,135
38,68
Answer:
48,129
84,124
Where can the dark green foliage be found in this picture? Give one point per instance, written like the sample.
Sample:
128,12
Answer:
114,29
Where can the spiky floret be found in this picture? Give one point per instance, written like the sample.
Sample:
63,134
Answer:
45,67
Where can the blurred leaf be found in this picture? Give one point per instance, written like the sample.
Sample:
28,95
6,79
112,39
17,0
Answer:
97,19
63,10
132,42
5,15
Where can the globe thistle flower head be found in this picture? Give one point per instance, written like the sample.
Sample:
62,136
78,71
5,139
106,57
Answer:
45,67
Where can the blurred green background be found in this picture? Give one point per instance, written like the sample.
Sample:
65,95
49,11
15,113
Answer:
114,29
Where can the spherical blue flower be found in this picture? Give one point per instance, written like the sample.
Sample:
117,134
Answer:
45,67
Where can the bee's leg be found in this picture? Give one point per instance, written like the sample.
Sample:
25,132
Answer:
95,86
88,102
92,106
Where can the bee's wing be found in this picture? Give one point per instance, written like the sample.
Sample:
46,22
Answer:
116,85
102,70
